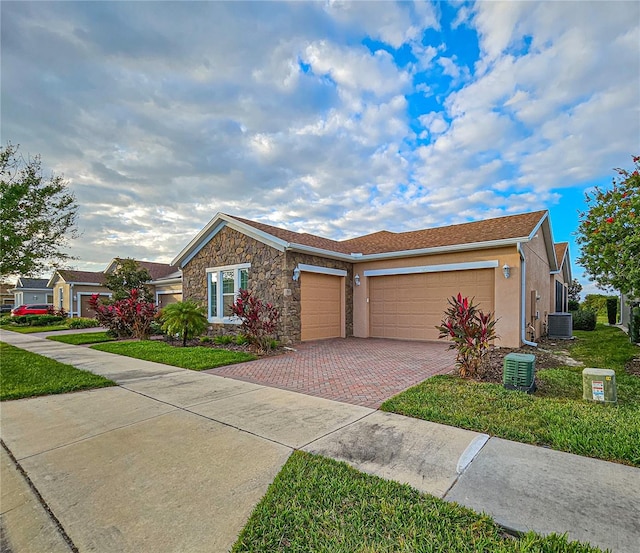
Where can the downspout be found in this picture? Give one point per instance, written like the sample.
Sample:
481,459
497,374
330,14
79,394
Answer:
71,300
523,300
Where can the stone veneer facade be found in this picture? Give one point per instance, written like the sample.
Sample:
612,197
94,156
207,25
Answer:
270,278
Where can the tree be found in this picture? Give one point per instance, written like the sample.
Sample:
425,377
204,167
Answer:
38,216
574,290
187,319
259,320
128,276
609,233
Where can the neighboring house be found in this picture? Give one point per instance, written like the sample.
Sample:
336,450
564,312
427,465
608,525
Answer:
31,290
6,295
560,280
72,289
385,284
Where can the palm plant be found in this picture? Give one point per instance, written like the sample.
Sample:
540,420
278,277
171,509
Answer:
187,319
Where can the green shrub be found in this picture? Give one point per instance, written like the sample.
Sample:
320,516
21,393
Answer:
44,320
83,322
20,319
612,310
223,339
241,340
6,319
574,305
584,319
205,339
634,327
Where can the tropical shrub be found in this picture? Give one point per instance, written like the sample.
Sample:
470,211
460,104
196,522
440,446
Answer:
259,320
132,316
584,319
185,319
82,322
612,310
471,333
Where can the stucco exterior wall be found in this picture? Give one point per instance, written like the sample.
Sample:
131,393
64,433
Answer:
538,292
506,292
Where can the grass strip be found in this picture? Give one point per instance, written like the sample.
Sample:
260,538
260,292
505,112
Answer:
33,329
556,416
25,374
317,504
82,339
196,358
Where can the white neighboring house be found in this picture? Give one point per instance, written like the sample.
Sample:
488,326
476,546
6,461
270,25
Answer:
31,290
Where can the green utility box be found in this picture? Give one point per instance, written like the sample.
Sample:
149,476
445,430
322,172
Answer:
519,372
599,385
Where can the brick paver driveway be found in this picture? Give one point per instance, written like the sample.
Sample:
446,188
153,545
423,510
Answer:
361,371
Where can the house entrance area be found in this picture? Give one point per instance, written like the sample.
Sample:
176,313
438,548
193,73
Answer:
410,306
360,371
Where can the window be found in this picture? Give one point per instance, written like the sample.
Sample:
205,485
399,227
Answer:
223,286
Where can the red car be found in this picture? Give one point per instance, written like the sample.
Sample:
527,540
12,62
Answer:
32,309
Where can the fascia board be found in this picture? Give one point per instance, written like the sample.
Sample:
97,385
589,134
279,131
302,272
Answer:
322,253
545,225
74,283
166,281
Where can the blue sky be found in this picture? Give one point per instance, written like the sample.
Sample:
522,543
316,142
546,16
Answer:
335,118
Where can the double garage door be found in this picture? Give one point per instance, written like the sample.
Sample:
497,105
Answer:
410,306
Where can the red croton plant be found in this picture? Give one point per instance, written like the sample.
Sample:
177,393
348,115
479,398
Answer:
131,316
471,333
259,320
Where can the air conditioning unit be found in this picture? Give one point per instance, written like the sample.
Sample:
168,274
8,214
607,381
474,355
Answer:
519,372
560,326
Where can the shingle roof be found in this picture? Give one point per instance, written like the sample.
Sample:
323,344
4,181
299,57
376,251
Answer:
32,283
82,276
561,250
501,228
156,270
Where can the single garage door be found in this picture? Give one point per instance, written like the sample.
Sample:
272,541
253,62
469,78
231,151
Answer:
85,310
409,307
321,306
166,299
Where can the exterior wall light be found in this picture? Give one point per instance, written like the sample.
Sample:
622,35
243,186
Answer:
506,270
357,279
296,273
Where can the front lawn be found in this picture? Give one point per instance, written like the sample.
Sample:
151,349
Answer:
32,329
555,416
26,374
84,338
317,504
196,358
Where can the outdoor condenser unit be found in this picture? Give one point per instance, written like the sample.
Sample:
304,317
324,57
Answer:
560,325
519,372
599,385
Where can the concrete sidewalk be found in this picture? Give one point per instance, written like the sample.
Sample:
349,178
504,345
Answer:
175,460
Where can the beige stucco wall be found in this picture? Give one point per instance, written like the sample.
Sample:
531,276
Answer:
507,291
68,291
537,280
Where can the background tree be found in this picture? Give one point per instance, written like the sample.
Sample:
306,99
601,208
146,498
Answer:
37,215
187,319
609,233
128,276
574,290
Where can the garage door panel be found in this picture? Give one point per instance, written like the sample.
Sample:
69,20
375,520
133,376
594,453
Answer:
321,306
421,300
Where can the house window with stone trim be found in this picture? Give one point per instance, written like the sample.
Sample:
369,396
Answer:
223,285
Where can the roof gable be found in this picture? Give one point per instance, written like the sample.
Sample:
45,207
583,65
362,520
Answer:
80,277
32,283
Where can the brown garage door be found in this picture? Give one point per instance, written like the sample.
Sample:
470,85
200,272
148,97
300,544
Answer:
410,306
321,306
166,299
85,310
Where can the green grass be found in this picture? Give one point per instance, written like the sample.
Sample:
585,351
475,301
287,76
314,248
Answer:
84,338
320,505
32,329
555,416
26,374
196,358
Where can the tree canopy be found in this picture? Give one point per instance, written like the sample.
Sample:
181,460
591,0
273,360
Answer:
128,276
609,233
38,216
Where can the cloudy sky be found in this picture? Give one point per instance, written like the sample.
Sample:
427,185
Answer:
334,118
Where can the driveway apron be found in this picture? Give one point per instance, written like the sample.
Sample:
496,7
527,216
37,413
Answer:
360,371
